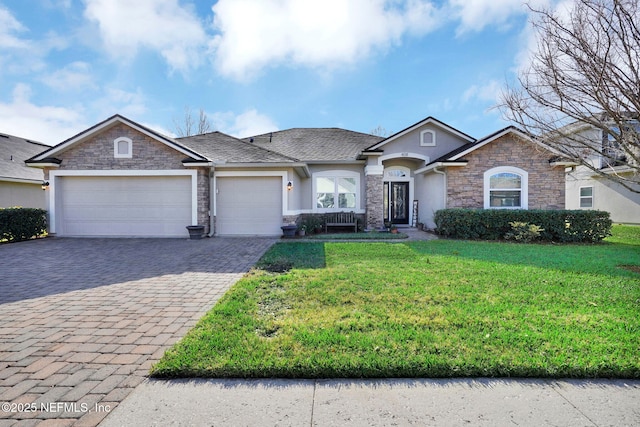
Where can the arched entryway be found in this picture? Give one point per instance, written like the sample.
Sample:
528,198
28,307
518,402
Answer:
397,195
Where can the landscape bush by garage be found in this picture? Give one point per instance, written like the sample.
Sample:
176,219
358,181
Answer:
18,224
565,226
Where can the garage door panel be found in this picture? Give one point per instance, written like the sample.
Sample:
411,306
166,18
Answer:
249,205
125,206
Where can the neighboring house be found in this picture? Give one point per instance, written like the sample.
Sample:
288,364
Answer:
587,189
20,185
119,178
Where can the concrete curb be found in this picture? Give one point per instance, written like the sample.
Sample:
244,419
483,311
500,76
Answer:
441,402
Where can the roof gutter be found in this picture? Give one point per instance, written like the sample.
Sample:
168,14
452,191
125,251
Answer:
21,180
301,168
434,166
336,162
196,164
565,163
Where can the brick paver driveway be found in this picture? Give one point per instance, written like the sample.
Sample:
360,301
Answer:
82,320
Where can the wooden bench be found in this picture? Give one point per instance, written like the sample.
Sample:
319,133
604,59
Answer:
340,219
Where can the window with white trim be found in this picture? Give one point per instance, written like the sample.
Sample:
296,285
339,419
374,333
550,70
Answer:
428,138
586,197
506,188
336,191
122,148
396,173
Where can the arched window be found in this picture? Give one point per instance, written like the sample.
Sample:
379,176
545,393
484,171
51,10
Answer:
396,173
428,138
506,188
122,148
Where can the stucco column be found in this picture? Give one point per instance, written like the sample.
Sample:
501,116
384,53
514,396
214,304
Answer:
374,183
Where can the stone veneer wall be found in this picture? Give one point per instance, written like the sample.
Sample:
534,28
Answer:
546,184
148,154
374,201
290,219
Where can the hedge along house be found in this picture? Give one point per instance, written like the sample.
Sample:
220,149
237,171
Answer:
119,178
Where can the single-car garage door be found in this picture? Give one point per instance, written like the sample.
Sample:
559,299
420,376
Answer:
145,206
249,206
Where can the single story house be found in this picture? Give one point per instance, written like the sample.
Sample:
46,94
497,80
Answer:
20,185
119,178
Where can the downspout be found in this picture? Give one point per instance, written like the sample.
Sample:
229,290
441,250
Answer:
211,205
444,174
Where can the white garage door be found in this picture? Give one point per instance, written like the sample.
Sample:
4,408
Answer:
249,205
147,206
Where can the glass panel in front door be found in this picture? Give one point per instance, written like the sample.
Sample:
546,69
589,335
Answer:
399,205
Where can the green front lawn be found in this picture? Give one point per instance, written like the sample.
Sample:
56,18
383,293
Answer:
425,309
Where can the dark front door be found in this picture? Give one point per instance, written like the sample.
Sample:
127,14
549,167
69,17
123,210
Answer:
396,202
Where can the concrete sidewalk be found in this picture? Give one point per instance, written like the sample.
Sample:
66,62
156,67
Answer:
398,402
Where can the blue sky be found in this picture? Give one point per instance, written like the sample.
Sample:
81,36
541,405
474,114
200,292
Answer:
256,66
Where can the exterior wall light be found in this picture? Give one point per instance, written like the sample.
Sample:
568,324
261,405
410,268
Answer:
45,185
289,186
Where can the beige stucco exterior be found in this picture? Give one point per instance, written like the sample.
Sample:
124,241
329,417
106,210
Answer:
26,195
622,203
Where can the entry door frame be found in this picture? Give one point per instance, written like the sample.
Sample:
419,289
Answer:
394,174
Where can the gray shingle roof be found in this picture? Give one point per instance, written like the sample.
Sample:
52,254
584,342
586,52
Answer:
316,144
13,152
221,148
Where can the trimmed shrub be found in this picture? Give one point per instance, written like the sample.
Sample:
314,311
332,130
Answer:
562,226
18,224
523,232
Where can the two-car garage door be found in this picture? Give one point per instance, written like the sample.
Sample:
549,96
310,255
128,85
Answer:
146,206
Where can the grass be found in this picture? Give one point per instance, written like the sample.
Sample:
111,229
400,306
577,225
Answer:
442,308
371,235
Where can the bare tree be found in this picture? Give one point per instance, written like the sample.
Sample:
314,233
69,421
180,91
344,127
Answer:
581,92
380,131
189,126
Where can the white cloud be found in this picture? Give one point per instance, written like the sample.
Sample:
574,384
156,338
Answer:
249,123
53,124
529,37
21,55
253,34
9,28
75,76
161,25
18,55
47,124
487,92
119,101
474,15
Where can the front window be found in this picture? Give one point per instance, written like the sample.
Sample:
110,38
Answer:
325,195
586,197
505,187
336,192
505,190
347,193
